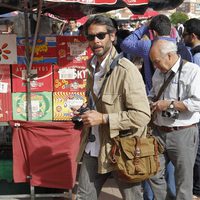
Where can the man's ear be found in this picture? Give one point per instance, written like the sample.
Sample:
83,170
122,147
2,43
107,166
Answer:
155,33
112,37
194,36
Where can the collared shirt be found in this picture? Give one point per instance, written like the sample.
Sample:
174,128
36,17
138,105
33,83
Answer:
195,51
135,44
94,147
196,59
189,93
72,33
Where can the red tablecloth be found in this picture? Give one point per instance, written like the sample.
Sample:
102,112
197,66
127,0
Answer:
46,151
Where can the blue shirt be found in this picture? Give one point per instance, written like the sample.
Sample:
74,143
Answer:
196,59
135,45
71,33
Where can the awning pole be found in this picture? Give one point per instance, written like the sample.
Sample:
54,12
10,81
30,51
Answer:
27,60
29,75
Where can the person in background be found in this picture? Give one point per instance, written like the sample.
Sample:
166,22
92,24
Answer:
191,37
72,29
159,27
176,115
117,102
180,29
80,29
54,29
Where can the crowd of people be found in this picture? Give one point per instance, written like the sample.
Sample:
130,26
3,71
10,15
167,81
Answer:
123,100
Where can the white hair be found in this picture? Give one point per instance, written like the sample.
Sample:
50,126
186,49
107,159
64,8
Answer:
168,46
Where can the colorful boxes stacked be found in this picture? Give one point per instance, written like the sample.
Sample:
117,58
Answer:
45,50
58,72
41,86
42,78
5,94
70,75
41,106
62,103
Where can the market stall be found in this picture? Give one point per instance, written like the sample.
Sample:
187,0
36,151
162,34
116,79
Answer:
48,77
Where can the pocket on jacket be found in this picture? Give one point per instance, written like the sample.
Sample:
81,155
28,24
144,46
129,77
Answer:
112,102
110,98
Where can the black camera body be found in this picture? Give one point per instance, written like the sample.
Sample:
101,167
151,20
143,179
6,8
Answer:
171,113
77,120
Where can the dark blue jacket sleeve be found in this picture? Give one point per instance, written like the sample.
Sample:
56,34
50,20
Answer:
135,45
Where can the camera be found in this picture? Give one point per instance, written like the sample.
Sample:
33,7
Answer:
77,120
171,113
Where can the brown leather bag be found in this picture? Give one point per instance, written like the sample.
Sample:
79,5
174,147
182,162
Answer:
136,158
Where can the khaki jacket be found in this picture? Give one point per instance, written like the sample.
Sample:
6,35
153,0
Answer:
123,97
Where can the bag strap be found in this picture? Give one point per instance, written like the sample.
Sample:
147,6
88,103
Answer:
170,77
165,84
195,50
112,66
137,152
155,142
113,151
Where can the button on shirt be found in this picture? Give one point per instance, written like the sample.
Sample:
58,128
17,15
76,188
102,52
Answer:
93,148
189,93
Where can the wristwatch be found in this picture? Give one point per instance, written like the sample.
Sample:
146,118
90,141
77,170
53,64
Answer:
171,105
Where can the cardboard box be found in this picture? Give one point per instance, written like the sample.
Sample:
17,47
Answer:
42,81
62,103
5,94
5,107
45,50
68,79
8,49
73,51
41,106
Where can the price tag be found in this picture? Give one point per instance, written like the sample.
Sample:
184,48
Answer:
3,87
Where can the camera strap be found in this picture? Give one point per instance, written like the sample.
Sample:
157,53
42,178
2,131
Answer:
112,66
92,103
170,77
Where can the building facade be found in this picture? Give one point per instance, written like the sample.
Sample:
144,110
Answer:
190,6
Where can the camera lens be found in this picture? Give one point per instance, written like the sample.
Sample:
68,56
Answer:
91,137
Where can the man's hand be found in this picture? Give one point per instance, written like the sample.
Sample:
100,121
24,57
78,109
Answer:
76,109
160,105
92,118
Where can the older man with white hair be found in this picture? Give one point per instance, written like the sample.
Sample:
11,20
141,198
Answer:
176,114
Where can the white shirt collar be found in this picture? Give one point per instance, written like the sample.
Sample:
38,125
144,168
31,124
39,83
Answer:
176,65
94,62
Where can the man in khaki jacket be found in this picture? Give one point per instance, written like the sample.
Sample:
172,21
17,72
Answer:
118,105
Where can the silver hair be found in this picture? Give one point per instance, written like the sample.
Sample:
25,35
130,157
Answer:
168,46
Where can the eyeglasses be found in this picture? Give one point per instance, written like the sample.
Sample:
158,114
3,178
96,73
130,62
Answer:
100,36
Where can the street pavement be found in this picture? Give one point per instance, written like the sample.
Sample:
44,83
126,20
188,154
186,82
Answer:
110,191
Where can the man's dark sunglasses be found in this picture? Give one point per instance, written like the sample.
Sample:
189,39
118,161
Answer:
100,36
